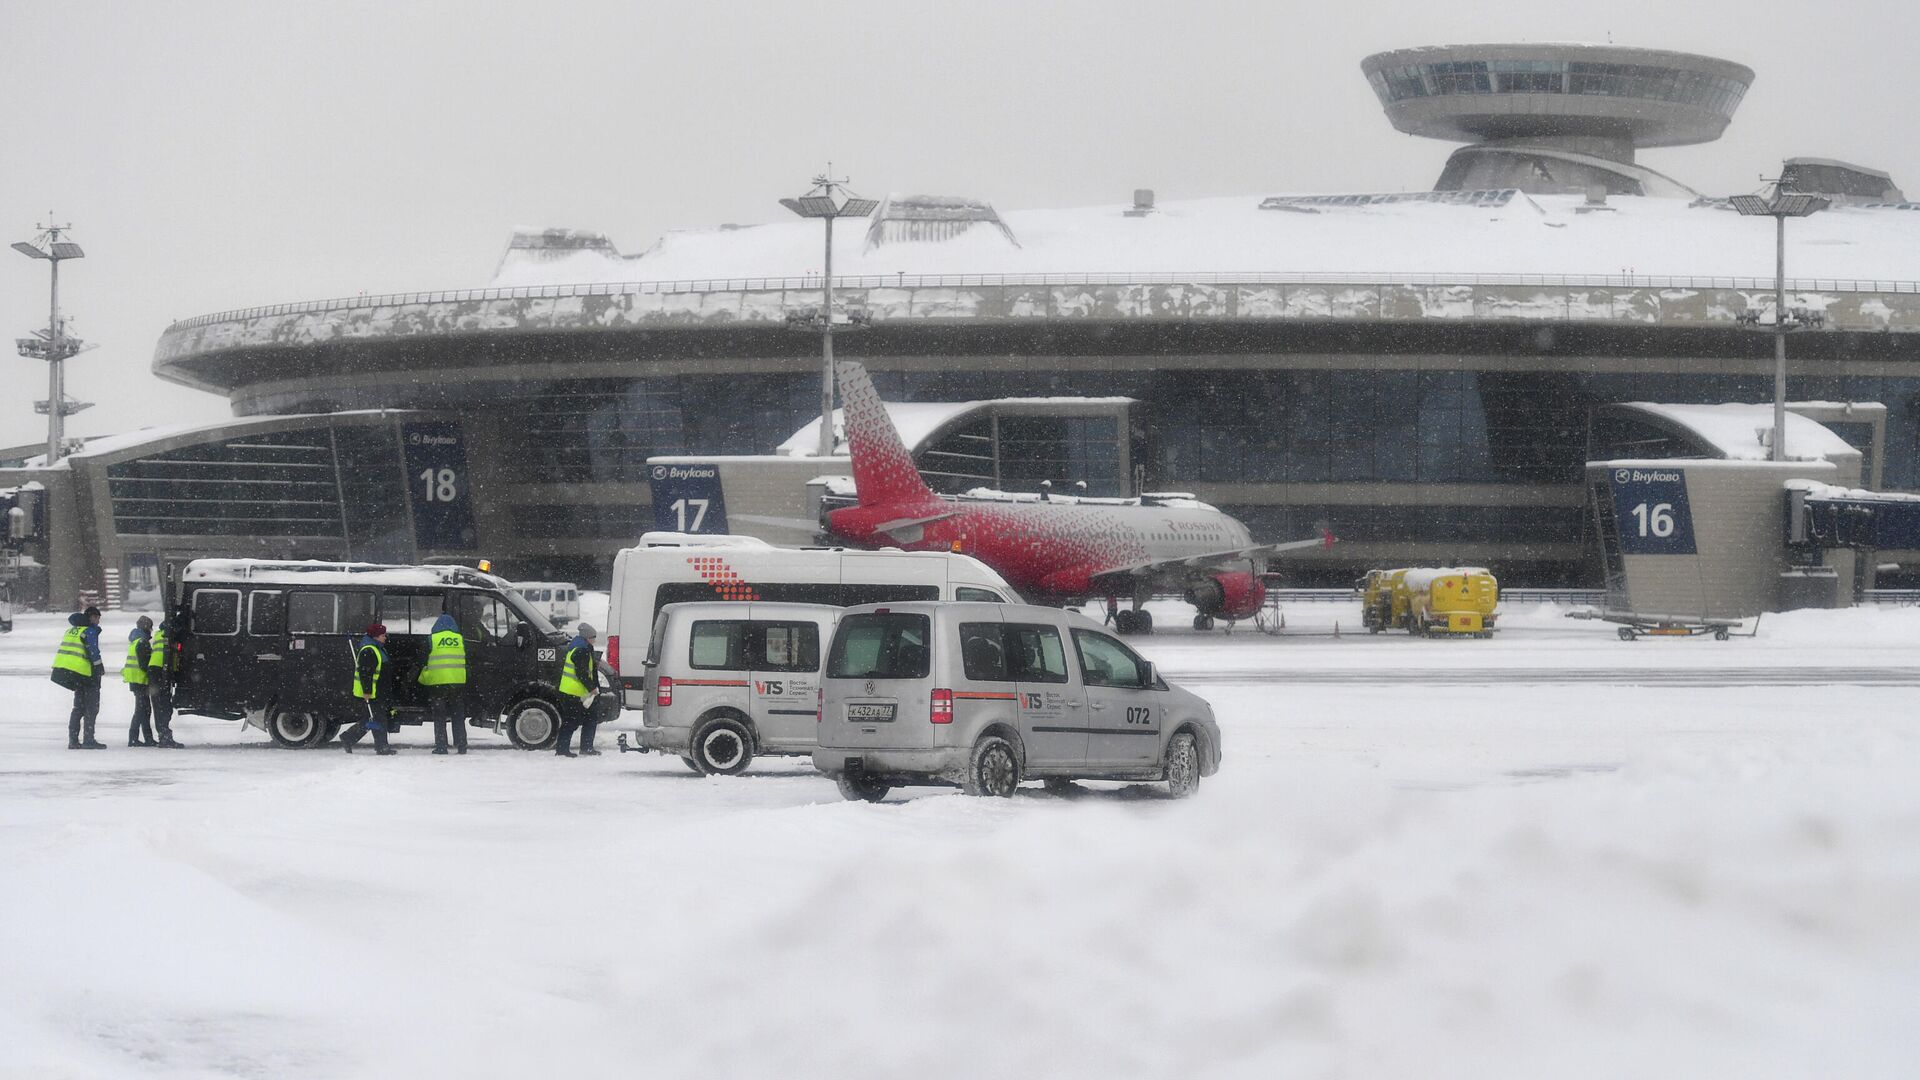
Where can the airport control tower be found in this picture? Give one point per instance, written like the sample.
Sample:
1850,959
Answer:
1557,119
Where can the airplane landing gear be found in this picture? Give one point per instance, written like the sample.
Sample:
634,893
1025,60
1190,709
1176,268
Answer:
1203,622
1128,621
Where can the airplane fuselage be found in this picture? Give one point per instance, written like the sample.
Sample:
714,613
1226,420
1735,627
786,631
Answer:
1053,549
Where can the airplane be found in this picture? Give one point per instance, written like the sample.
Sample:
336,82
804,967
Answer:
1053,551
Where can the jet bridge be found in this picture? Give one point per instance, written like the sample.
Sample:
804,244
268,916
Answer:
1822,517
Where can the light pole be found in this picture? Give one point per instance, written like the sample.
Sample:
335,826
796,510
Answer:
55,345
1782,206
821,203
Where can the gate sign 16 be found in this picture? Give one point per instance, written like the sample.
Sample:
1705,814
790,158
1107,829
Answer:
437,476
1650,509
686,498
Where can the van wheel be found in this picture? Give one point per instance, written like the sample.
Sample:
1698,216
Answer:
862,788
722,747
1183,766
295,730
533,723
993,769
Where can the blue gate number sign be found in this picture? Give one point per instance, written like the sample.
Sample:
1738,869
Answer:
437,478
687,499
1650,509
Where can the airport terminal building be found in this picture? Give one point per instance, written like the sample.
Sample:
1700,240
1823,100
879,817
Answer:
1424,373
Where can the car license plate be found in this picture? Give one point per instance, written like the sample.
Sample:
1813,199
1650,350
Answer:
869,713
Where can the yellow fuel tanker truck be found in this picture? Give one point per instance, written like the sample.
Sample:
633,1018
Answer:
1450,600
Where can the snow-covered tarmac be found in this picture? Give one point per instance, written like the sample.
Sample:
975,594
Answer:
1499,875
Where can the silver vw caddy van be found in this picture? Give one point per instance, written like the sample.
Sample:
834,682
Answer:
726,680
987,695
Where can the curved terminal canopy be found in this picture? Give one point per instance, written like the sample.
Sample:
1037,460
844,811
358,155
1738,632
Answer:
1623,98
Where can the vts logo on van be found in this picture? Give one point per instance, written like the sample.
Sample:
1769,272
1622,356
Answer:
1034,701
770,688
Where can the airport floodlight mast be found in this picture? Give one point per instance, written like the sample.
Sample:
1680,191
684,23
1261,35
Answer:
822,203
1783,205
54,344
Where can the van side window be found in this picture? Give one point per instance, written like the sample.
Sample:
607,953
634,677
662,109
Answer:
856,594
313,613
982,656
216,612
267,614
408,613
966,593
784,646
483,617
1106,662
718,645
356,611
1035,653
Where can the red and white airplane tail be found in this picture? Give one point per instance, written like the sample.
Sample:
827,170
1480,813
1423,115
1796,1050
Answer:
883,471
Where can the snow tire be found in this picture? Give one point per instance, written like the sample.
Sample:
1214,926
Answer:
533,723
1183,766
292,729
722,746
993,769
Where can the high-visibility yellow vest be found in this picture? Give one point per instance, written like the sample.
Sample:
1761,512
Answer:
131,671
569,684
73,653
361,690
447,663
157,659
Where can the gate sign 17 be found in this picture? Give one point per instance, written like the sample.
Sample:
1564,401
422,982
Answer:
1650,509
687,498
437,477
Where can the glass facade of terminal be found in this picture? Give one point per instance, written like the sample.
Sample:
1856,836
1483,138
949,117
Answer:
1206,426
322,483
1678,85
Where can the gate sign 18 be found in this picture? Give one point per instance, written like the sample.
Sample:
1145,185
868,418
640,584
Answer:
1650,509
687,498
437,475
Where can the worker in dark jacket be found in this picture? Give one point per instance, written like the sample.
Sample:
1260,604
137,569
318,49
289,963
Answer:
445,677
77,667
578,686
134,674
370,687
161,670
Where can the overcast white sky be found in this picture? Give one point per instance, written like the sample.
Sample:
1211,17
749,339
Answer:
220,155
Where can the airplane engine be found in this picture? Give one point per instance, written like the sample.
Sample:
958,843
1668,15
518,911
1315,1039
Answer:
1228,596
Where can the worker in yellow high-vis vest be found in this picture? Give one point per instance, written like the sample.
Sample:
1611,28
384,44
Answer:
578,684
445,677
134,674
162,668
370,682
77,667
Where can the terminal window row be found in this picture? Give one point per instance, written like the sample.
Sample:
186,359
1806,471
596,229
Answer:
1451,77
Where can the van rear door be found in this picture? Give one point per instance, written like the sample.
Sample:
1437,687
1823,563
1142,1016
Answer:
879,667
216,666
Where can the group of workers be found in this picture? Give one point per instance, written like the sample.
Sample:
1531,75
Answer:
151,667
148,673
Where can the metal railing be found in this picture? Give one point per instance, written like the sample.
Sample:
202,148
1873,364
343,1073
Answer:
961,281
1507,596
